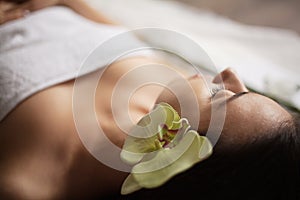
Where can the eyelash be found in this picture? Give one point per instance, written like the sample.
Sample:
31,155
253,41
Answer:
215,90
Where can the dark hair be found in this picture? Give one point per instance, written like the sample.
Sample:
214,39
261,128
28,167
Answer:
267,168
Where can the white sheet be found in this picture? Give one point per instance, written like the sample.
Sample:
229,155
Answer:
267,59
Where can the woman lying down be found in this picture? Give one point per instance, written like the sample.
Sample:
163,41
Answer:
44,155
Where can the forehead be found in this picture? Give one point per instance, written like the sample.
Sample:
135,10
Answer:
253,104
250,116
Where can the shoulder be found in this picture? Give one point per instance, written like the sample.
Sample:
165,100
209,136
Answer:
42,156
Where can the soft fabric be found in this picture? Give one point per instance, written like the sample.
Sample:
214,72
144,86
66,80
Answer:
266,58
46,48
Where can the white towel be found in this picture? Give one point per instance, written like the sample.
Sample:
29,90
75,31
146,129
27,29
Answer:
46,48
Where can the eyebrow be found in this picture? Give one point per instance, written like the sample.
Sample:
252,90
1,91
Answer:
237,95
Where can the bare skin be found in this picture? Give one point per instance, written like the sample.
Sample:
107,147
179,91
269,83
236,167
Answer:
10,10
247,116
42,156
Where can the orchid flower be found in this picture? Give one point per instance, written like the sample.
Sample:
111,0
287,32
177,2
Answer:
159,147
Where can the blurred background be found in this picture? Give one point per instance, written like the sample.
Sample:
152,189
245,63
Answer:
275,13
260,39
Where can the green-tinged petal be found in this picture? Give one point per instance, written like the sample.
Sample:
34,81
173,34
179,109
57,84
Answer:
149,124
176,125
130,185
183,130
135,148
176,115
143,137
169,162
161,146
172,117
206,148
131,158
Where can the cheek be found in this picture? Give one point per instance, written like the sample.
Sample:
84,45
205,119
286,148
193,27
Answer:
193,102
203,95
182,95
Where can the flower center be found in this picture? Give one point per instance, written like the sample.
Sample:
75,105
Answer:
165,136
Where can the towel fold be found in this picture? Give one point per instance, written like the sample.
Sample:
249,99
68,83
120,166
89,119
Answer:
46,48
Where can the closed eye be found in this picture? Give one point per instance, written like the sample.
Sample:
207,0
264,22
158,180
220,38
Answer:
214,90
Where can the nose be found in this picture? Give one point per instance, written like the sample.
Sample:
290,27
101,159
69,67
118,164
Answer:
231,81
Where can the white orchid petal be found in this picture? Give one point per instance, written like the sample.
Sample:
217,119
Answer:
161,146
134,149
169,162
131,158
149,124
206,148
130,185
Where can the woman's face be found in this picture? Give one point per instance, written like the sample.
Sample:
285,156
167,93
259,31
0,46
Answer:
247,114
